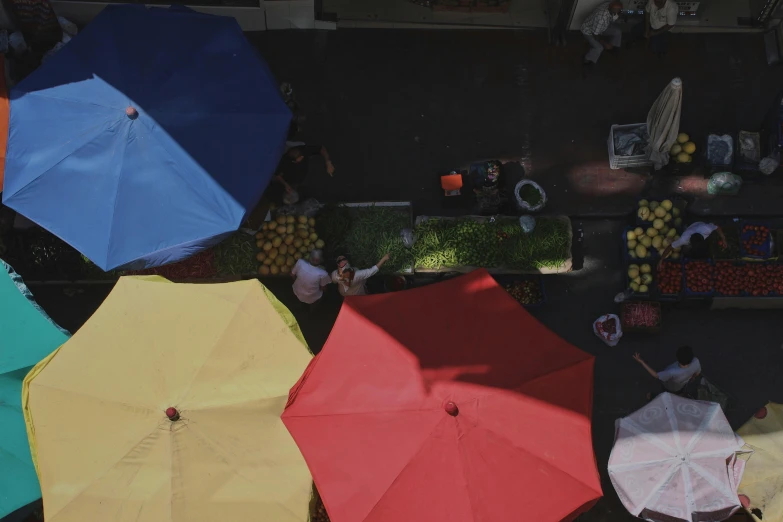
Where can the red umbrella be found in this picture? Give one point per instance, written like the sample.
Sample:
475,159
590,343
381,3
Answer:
447,403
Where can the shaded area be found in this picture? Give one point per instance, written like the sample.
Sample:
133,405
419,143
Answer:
397,108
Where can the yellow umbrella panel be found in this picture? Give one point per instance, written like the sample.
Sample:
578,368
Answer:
165,406
761,488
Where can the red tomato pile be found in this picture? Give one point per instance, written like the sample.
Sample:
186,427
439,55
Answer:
698,276
751,279
670,278
755,240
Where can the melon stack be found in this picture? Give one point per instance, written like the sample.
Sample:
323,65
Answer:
682,151
283,241
664,218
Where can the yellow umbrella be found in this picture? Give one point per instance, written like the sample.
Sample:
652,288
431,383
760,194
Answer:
761,488
165,406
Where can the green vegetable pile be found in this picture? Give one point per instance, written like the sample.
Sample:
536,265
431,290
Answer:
450,243
365,234
236,255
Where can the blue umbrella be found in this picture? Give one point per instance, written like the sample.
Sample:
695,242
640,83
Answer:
27,336
147,138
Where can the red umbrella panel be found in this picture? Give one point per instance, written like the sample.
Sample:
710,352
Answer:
446,403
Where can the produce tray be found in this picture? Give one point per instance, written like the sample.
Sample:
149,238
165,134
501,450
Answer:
689,293
719,166
659,295
651,287
405,206
506,279
677,202
652,254
566,267
624,162
640,329
768,246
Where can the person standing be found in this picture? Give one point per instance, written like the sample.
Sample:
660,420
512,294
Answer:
676,377
660,16
600,31
292,171
351,281
310,279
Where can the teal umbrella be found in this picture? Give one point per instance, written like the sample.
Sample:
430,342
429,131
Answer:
27,335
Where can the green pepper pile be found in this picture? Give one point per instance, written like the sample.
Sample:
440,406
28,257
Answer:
451,243
365,234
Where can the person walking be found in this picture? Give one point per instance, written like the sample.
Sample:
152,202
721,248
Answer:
310,279
351,281
600,30
676,377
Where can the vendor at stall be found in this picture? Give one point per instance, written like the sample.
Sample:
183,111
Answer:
291,174
351,281
695,239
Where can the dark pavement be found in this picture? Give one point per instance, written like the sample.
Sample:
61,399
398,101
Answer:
398,107
395,108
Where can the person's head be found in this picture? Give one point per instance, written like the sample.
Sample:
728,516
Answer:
615,7
659,3
342,263
316,257
697,240
295,154
345,275
684,355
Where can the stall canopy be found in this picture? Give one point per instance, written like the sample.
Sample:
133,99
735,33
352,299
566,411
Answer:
761,489
166,407
446,403
146,138
675,459
27,335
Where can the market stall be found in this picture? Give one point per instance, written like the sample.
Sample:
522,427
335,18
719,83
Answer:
45,259
745,272
497,243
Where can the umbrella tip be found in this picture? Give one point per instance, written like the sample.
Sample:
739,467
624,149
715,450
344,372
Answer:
132,113
451,409
172,414
761,413
677,82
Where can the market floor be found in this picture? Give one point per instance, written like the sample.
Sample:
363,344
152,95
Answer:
740,350
398,107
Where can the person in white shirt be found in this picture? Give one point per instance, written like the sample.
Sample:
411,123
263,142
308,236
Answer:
600,31
309,278
676,377
660,16
695,237
351,281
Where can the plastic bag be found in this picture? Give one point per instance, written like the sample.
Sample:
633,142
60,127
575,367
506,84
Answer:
524,205
604,332
709,392
724,183
69,28
308,207
720,149
527,223
408,237
17,42
768,165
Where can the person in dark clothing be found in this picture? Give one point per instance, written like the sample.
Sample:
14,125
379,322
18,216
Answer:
292,172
